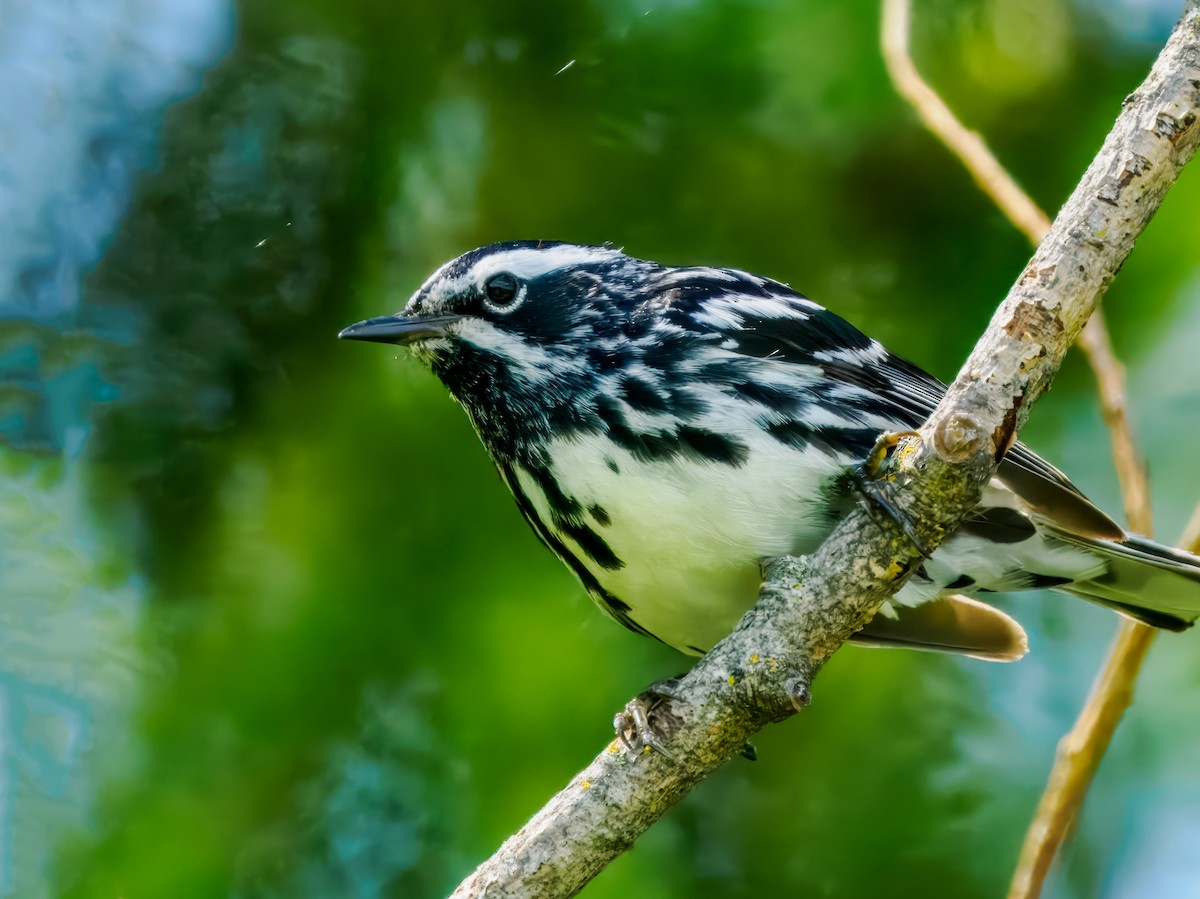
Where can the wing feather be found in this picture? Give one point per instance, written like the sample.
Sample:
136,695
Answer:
809,335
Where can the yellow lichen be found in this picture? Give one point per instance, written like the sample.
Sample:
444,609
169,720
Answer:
893,570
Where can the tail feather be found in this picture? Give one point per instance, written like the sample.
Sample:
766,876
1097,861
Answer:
954,624
1144,580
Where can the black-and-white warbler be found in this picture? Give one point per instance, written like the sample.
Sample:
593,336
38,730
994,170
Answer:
666,429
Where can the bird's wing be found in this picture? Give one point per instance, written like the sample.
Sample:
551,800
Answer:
1044,489
813,336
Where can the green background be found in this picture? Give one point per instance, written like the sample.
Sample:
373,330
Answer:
272,626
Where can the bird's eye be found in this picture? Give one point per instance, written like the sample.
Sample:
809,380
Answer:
501,289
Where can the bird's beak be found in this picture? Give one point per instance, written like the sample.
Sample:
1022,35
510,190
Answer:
399,329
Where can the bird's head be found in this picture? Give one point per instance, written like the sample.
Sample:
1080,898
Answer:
513,329
520,300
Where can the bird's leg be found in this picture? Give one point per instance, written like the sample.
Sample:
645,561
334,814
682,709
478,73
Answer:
874,484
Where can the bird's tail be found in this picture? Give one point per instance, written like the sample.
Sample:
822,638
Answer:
1144,580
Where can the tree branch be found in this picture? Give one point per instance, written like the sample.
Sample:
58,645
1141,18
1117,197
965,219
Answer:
808,607
1080,751
1029,219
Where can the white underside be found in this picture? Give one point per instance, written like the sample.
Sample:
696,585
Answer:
692,533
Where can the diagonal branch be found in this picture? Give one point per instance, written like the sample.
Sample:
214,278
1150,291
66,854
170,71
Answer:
998,184
1080,751
761,673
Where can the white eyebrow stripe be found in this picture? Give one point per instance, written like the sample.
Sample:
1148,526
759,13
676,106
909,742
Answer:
524,263
527,263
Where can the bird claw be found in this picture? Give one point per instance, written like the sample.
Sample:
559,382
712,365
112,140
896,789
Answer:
872,485
646,722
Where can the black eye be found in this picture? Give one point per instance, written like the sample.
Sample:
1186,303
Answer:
501,289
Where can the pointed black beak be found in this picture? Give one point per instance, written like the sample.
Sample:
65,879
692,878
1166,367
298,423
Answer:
399,329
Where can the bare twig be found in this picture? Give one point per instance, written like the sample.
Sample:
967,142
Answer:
991,176
1081,750
1110,385
1078,756
761,673
998,184
1083,747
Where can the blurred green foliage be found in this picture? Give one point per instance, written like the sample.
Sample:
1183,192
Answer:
357,671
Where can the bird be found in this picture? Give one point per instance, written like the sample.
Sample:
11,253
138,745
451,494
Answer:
666,430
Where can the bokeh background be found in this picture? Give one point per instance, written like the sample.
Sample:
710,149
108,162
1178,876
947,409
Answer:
270,626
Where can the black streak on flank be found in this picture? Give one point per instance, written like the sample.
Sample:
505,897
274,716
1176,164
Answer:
775,398
790,433
620,611
561,505
686,404
662,446
641,396
644,447
592,544
961,583
601,516
854,442
566,512
615,607
714,447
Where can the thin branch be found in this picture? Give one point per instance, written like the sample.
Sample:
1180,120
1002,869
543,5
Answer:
1078,757
998,184
991,176
1110,385
1081,750
762,672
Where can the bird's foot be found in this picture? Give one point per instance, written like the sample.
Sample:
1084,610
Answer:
647,722
875,485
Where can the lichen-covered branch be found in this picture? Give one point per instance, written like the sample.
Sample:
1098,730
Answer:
808,607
